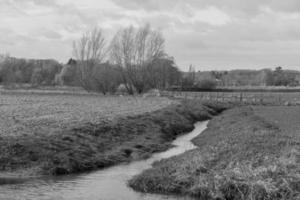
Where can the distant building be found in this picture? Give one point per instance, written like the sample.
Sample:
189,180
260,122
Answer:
72,62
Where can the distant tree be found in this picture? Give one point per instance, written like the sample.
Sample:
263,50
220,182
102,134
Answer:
217,75
206,84
68,75
37,77
7,72
269,79
162,73
134,50
189,80
49,70
279,77
89,51
21,71
26,68
72,62
278,69
107,78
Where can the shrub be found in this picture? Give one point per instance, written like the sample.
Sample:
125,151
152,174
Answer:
37,77
207,84
69,75
106,78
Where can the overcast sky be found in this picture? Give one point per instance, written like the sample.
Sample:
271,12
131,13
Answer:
210,34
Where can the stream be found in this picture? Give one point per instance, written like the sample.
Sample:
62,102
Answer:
106,184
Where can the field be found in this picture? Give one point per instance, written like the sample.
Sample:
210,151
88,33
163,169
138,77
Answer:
254,98
287,118
51,134
26,114
247,153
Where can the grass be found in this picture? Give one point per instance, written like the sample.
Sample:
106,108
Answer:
243,155
253,98
285,117
63,134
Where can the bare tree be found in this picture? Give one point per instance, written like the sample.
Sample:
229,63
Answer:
107,78
133,49
89,51
121,53
164,73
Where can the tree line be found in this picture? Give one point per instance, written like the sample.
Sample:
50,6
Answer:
134,59
238,78
34,72
280,77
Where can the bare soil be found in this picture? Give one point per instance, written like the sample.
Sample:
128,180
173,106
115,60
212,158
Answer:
24,114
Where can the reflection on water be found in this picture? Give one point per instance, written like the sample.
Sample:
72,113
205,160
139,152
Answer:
107,184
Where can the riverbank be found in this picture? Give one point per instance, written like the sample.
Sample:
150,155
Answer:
242,155
108,183
102,144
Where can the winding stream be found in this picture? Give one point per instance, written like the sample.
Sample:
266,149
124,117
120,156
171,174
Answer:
107,184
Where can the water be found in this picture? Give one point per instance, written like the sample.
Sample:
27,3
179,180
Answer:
107,184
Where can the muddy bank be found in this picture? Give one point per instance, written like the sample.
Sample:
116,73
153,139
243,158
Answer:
241,156
100,145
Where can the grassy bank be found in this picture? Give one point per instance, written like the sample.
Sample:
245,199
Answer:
26,114
241,156
105,143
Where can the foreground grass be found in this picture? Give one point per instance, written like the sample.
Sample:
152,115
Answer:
241,156
103,143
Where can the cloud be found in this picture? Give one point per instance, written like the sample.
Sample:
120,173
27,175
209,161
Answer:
207,33
49,34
